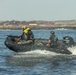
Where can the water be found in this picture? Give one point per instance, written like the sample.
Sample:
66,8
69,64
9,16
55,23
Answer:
37,62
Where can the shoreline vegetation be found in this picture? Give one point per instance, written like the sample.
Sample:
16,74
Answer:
61,24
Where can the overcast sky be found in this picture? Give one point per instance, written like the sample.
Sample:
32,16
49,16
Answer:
48,10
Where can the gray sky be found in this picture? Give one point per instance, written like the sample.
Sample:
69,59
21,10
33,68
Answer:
48,10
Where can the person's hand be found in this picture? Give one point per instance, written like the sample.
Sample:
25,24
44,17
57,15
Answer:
48,45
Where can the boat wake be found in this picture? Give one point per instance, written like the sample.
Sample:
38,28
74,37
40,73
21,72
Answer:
31,58
38,52
73,50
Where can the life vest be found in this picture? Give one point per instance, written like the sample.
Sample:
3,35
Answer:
26,31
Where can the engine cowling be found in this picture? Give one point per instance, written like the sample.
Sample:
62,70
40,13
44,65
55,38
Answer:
68,40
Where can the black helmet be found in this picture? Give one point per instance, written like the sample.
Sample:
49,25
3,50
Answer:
52,32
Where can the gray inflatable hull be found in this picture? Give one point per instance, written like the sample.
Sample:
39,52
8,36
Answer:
12,45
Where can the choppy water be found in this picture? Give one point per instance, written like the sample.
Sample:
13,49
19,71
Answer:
37,62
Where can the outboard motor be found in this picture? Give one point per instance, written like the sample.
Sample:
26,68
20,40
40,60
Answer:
68,41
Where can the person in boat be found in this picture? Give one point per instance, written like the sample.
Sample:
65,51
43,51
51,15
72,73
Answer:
53,40
27,34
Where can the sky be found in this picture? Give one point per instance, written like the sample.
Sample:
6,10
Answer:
48,10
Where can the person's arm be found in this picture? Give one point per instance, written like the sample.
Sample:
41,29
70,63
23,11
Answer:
18,39
49,43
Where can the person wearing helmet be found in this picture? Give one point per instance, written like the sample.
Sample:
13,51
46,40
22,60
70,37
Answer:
27,34
52,40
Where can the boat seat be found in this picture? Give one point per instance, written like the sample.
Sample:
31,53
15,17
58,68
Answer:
24,42
38,42
30,41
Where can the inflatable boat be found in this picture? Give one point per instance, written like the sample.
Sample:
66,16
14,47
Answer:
40,44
